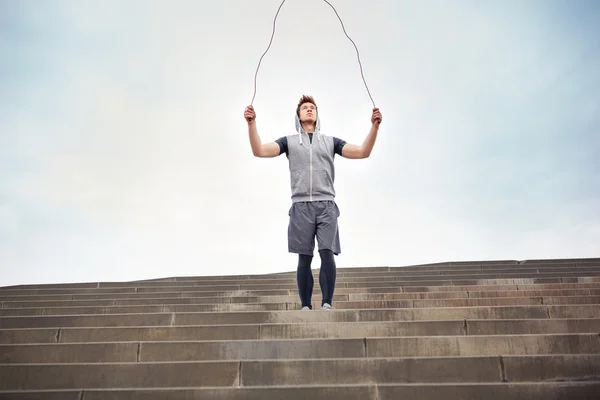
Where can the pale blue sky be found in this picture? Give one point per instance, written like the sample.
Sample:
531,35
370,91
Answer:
124,153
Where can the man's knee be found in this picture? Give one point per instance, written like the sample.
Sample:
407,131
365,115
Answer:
304,260
326,255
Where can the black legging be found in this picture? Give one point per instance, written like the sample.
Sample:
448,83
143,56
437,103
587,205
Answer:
326,278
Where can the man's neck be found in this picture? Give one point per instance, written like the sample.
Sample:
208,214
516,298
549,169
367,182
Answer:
309,127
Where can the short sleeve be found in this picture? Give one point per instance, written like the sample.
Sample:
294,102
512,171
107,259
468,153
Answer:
283,145
338,145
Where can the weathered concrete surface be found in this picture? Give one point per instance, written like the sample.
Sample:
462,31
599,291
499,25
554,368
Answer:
458,346
233,332
488,391
108,334
532,326
552,367
301,372
405,370
469,330
34,335
354,392
424,346
281,303
202,291
42,395
503,391
389,293
145,309
69,353
253,350
118,375
300,331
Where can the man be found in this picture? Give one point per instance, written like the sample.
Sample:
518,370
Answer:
313,211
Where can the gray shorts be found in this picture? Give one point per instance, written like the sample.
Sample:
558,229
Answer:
310,219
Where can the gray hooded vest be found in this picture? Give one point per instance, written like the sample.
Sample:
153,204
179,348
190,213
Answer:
312,173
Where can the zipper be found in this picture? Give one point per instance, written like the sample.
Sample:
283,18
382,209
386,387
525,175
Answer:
310,167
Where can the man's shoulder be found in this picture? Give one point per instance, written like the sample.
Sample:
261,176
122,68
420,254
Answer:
287,139
334,140
288,136
329,137
292,137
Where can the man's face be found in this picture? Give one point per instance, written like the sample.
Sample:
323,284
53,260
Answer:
308,112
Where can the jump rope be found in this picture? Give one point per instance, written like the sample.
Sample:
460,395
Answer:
271,41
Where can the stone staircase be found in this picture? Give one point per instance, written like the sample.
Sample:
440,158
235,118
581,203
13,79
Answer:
468,330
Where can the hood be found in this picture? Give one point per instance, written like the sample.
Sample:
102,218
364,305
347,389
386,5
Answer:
300,130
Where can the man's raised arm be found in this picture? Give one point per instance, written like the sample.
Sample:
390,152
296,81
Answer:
258,149
356,152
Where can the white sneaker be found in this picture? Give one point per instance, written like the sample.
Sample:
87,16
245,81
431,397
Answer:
327,307
305,308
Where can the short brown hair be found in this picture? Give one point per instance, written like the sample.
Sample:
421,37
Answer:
306,99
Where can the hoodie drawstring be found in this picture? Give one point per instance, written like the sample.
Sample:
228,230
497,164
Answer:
300,129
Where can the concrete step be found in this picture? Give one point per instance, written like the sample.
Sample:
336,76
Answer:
344,275
292,303
425,328
149,309
468,267
471,294
300,331
469,391
534,293
545,294
503,301
499,287
537,368
420,331
585,260
399,275
423,346
425,292
265,317
490,279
